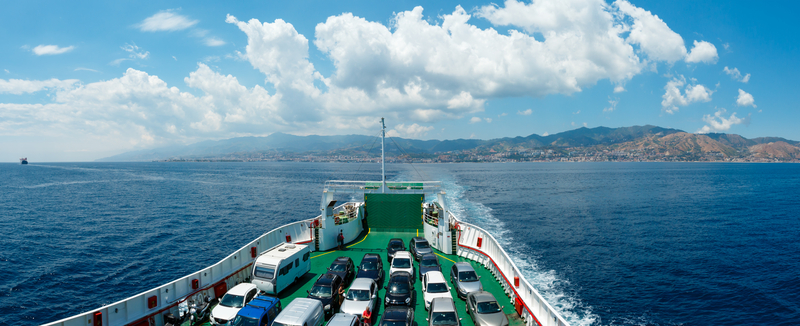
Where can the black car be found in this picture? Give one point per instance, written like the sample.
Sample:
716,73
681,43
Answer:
429,262
343,266
397,316
371,267
394,246
326,290
400,290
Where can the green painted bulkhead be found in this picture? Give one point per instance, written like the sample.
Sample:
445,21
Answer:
394,212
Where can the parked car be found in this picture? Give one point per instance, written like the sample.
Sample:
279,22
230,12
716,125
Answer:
434,286
443,313
342,319
371,267
402,262
400,290
395,245
485,310
343,266
301,312
419,247
326,290
236,298
428,263
362,296
259,312
464,279
397,316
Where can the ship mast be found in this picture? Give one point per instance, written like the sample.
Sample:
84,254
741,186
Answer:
383,159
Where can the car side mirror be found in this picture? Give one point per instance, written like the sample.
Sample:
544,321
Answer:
461,319
374,296
308,291
427,319
479,277
501,307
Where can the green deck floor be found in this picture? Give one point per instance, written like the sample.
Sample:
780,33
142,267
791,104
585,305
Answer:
375,242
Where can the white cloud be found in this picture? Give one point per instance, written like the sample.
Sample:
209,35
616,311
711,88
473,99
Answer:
19,86
736,75
577,112
502,115
6,70
51,49
475,120
410,131
745,99
717,122
545,134
135,52
526,112
585,124
213,41
619,89
612,102
488,120
703,52
652,34
166,20
84,69
673,98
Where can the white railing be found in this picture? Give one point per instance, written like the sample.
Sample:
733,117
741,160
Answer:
374,187
491,255
234,269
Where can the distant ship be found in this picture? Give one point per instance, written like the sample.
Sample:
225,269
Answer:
23,160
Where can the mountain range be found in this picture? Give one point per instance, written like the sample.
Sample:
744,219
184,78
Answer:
648,137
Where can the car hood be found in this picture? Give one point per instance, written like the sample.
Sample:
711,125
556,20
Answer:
495,319
422,251
354,307
430,296
423,270
470,286
398,297
369,274
223,312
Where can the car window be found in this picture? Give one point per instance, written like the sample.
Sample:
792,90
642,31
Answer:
231,300
422,245
250,295
430,262
401,263
437,288
358,295
338,267
399,288
272,313
443,318
488,307
369,265
320,291
468,276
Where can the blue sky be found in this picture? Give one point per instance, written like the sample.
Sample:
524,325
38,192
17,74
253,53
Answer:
86,80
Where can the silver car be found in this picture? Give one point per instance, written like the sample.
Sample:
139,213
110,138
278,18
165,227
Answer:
443,313
362,295
464,279
342,319
485,310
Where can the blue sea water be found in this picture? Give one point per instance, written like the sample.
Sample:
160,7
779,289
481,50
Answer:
605,243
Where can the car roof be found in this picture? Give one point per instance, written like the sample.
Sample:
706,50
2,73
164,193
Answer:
400,275
429,256
442,305
342,259
396,313
482,296
400,254
418,239
265,301
435,277
342,319
361,283
251,311
371,256
241,288
463,267
326,279
297,309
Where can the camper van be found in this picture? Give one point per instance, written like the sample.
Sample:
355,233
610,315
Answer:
278,267
301,312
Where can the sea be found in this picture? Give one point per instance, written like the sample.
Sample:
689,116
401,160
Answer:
605,243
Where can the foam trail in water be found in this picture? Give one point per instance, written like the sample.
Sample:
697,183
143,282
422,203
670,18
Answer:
549,285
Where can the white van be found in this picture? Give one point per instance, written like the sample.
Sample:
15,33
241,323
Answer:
301,312
280,266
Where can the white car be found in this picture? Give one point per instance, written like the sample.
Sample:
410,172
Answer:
434,286
232,302
362,296
402,262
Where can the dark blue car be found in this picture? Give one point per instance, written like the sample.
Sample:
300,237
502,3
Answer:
371,267
429,262
259,312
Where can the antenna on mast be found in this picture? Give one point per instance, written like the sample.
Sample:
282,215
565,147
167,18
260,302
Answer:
383,159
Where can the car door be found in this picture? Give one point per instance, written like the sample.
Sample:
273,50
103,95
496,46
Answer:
250,295
471,304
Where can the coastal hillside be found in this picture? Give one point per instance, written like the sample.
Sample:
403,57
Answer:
648,143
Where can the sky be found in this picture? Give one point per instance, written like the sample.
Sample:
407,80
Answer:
83,80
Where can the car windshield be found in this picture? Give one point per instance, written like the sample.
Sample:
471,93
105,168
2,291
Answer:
244,321
396,245
275,323
393,323
320,291
430,262
338,267
437,288
488,307
232,300
443,318
401,263
468,276
398,288
422,245
369,265
266,272
358,295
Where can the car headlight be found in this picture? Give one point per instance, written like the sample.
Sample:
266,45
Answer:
327,307
387,299
408,299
